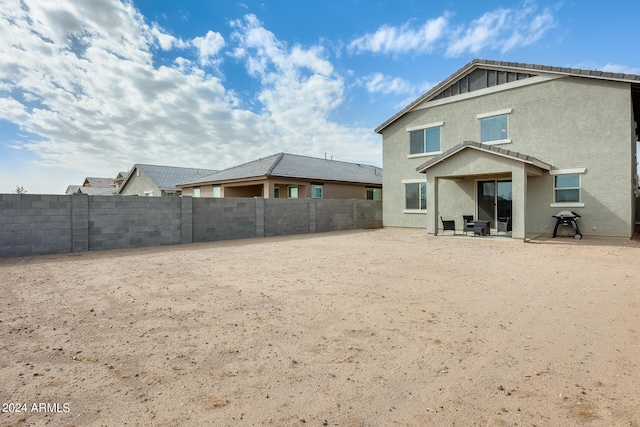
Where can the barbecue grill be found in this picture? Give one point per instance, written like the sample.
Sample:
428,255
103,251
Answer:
567,218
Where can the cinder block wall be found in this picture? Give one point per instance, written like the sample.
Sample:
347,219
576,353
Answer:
287,216
125,222
223,219
32,224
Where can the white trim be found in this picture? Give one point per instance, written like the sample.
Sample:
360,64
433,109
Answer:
494,113
566,205
567,171
427,126
485,91
414,180
498,142
414,211
430,153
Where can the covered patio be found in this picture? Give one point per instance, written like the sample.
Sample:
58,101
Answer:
483,180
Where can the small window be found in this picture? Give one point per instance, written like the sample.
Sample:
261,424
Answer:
170,194
292,192
374,193
217,192
424,140
416,196
494,128
196,191
276,193
316,191
567,188
148,194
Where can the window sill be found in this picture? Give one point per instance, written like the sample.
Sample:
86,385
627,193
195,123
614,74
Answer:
430,153
415,211
498,142
567,205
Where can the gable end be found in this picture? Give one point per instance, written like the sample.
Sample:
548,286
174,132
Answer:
481,78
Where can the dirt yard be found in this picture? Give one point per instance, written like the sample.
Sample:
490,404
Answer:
365,328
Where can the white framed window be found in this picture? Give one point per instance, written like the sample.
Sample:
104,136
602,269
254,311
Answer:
217,191
567,188
415,196
494,127
424,139
196,191
292,192
317,191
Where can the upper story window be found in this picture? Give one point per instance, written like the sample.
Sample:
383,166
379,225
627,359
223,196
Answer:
424,139
494,127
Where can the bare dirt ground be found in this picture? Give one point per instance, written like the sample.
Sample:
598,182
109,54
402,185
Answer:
365,328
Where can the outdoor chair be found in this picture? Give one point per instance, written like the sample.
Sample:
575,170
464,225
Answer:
448,225
504,224
466,227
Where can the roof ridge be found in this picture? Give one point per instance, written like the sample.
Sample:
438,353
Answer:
273,166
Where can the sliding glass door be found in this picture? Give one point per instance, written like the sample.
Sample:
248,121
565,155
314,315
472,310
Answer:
494,199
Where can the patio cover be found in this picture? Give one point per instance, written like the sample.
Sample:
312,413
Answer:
473,159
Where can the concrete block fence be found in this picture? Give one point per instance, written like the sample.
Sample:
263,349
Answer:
32,224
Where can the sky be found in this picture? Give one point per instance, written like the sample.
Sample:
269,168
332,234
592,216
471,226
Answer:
91,87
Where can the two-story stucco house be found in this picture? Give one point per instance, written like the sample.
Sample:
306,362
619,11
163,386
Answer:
500,139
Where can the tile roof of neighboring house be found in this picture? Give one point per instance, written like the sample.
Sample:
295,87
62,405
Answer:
72,189
121,176
486,148
294,166
520,67
97,191
98,182
166,177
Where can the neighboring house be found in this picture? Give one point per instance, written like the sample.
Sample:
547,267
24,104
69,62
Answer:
152,180
93,186
120,179
290,176
500,139
72,189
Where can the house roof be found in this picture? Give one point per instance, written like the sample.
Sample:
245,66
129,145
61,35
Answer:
98,182
294,166
96,191
166,177
486,148
518,68
72,189
121,176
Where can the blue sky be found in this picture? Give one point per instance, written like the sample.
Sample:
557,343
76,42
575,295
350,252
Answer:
90,87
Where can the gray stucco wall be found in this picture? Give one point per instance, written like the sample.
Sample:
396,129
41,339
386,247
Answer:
568,122
32,224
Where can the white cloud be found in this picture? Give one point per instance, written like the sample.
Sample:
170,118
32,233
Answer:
403,39
78,77
380,83
300,90
208,47
615,68
500,29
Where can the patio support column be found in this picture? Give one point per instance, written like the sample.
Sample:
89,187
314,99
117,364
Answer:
432,204
519,206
